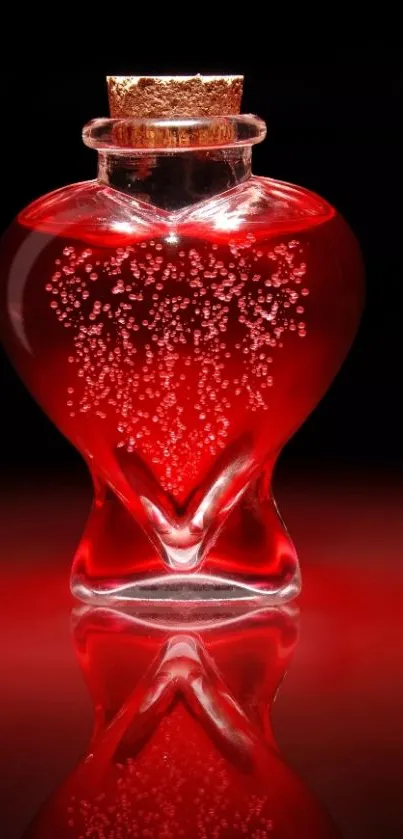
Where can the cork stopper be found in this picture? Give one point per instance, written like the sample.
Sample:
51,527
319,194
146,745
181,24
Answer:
171,112
159,97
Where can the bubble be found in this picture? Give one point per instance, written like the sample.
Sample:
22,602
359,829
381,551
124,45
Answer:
185,378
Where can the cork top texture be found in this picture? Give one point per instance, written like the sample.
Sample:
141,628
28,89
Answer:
161,97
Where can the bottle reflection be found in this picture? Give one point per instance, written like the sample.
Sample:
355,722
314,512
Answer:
182,743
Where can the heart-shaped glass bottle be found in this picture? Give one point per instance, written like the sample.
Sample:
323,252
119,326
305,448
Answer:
178,319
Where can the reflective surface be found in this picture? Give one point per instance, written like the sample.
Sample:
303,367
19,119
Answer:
337,717
182,742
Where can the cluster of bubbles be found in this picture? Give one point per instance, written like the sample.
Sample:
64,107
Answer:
173,341
172,791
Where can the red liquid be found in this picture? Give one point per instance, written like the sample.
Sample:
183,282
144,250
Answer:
179,356
182,743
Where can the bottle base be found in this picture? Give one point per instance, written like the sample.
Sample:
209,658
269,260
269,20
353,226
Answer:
184,588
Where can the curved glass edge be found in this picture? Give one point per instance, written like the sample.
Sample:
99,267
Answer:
129,136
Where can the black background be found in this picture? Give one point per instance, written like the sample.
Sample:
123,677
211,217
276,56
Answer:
334,126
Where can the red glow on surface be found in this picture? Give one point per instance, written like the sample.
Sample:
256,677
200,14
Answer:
337,719
182,742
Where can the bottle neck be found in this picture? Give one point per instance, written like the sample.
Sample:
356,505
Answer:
174,180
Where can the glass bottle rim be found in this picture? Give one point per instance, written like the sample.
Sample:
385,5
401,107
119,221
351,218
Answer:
181,134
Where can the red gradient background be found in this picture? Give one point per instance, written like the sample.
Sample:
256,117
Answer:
337,718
